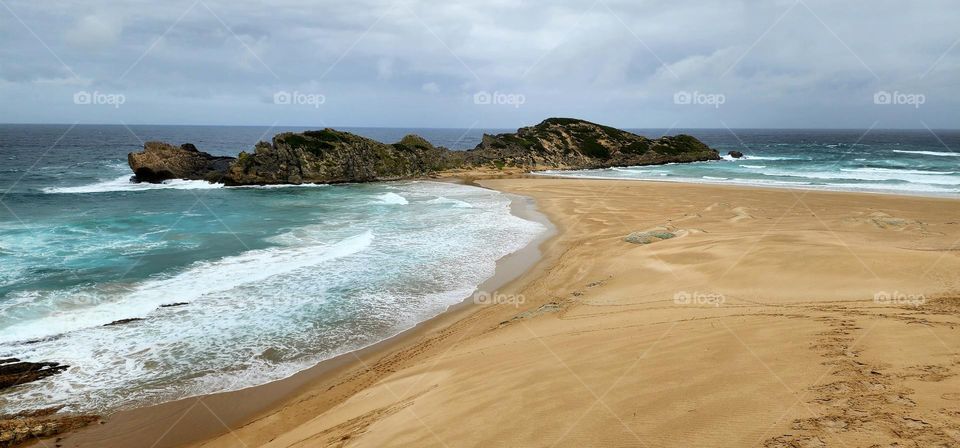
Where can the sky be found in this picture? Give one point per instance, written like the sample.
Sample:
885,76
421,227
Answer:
483,64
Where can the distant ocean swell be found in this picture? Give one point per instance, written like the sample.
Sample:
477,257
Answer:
868,168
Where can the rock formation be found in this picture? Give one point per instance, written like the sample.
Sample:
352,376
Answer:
14,372
735,154
331,156
567,143
28,426
162,161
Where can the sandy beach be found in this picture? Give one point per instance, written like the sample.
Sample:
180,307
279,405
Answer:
772,318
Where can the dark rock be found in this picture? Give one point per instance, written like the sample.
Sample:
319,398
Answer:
568,143
28,426
161,161
331,156
735,154
171,305
18,372
123,321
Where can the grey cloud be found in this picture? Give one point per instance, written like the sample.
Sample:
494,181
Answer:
382,63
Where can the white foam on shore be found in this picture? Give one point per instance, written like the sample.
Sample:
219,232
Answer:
243,326
193,284
124,183
454,202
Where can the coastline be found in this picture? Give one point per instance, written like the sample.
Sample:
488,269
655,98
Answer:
742,184
291,409
191,420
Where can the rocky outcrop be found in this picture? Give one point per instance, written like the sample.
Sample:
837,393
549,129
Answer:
567,143
735,154
123,321
162,161
14,372
331,156
29,426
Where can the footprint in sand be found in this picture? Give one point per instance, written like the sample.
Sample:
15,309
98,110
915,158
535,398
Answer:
885,221
739,213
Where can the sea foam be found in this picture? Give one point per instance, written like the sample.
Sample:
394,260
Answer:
204,278
929,153
125,184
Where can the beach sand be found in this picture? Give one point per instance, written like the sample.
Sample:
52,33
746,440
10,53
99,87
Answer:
776,318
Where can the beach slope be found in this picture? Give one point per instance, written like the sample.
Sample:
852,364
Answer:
731,317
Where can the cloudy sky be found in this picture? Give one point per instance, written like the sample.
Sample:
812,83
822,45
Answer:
628,63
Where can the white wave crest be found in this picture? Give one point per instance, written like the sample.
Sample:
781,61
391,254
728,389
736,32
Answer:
454,202
872,175
270,187
930,153
896,171
201,279
391,198
125,184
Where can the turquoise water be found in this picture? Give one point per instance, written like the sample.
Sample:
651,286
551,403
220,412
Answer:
882,161
275,279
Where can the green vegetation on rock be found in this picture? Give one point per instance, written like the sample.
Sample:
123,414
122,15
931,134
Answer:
331,156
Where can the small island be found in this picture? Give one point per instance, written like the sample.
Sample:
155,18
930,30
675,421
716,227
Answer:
330,156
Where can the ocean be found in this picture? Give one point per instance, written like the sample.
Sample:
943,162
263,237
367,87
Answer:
276,279
912,162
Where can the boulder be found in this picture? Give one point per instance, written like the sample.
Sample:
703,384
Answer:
123,321
28,426
162,161
14,372
735,154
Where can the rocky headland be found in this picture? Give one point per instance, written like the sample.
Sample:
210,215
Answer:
332,156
